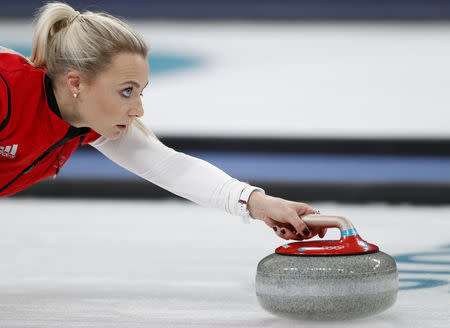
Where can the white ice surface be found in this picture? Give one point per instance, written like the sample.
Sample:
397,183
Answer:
86,263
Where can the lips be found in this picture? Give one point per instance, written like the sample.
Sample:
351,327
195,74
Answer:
121,126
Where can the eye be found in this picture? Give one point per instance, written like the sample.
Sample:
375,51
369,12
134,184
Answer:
127,92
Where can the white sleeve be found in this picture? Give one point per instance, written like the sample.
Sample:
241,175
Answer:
186,176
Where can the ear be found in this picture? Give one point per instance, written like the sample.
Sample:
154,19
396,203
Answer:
73,80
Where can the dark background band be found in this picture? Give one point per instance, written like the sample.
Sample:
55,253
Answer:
252,9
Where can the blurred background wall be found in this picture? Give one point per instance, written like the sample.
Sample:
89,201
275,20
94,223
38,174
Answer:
252,9
311,100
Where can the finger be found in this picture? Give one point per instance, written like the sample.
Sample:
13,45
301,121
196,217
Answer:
322,232
275,227
293,234
283,230
316,231
303,209
270,222
277,231
288,233
298,224
310,210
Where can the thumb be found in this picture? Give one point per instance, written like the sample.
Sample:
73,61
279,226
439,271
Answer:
303,209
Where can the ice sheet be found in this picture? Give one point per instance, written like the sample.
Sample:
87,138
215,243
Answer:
86,263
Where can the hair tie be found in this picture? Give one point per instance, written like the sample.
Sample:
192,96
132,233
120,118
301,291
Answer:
77,13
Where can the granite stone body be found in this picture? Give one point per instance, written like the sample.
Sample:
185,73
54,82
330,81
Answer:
327,287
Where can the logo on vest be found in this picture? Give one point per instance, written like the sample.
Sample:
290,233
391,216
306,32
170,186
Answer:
9,151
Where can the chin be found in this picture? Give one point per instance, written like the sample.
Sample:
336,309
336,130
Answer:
114,136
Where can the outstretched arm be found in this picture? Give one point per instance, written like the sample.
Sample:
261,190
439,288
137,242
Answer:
186,176
203,183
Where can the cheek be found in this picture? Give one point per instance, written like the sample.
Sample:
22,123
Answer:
109,104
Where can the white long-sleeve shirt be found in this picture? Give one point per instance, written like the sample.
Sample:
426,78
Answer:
186,176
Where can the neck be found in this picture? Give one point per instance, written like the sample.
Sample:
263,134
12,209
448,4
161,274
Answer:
68,107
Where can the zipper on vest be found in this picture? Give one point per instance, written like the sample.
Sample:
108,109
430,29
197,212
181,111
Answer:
73,132
57,166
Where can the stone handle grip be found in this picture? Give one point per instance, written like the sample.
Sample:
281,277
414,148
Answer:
327,221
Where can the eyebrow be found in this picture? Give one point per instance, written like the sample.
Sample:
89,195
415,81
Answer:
135,84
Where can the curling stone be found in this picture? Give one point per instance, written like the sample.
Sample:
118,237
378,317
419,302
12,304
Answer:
327,279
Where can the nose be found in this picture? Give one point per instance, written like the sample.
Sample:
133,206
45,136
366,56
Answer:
137,110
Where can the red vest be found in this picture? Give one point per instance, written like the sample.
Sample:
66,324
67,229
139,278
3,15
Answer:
34,140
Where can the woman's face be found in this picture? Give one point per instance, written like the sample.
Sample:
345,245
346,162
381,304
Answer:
111,102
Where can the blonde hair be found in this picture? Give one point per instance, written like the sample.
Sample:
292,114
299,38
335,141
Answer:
66,39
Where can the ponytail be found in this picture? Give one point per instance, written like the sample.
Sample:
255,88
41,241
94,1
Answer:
52,18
